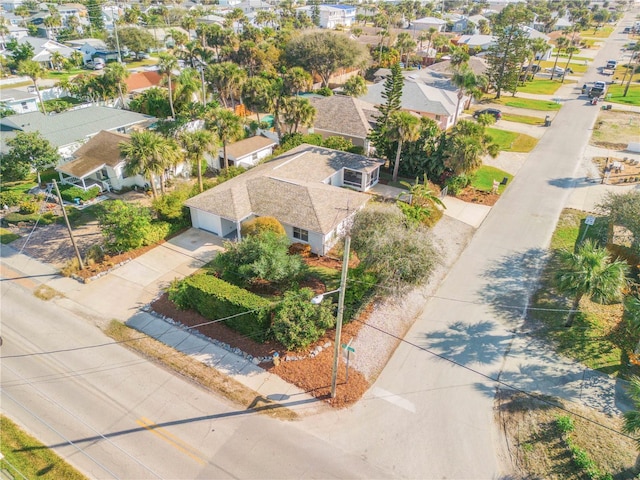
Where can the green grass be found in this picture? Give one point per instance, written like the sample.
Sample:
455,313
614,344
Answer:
615,95
64,75
15,85
576,67
528,103
510,117
602,32
598,337
575,58
7,236
329,276
541,87
512,141
30,182
84,216
30,457
142,63
484,177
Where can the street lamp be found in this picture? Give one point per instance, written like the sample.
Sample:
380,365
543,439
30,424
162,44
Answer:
318,299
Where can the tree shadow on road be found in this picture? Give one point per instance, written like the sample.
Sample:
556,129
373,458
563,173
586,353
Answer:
512,282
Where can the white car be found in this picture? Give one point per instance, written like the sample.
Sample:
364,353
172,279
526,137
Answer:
558,70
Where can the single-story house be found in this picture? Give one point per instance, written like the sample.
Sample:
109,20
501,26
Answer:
19,101
429,22
477,41
69,130
98,163
138,82
93,48
43,48
418,97
245,153
301,188
342,116
478,65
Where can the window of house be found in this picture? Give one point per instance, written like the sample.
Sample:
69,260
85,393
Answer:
24,105
352,178
301,234
438,118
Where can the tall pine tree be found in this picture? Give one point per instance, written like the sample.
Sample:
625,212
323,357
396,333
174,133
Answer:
393,95
510,48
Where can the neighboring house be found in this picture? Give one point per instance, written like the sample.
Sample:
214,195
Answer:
253,6
342,116
477,64
93,48
98,163
429,22
418,97
301,188
332,16
10,5
229,3
476,41
459,23
532,34
138,82
18,100
69,130
43,48
245,153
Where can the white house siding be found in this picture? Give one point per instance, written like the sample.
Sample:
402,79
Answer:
206,221
316,240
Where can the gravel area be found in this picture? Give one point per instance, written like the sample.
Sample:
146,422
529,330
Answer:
397,315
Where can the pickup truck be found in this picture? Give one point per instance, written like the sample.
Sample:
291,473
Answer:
598,90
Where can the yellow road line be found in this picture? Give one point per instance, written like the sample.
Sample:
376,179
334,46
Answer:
169,438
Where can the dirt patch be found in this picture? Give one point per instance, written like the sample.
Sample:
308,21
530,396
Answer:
614,129
536,448
627,174
472,195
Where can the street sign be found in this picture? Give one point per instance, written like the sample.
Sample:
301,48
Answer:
590,220
348,348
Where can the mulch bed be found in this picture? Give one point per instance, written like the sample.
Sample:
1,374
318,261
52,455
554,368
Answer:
312,375
110,261
472,195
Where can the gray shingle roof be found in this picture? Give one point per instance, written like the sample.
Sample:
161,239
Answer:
291,189
103,149
249,145
340,114
417,97
69,127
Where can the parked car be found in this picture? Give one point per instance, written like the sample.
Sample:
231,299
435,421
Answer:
497,114
611,64
143,55
626,30
558,70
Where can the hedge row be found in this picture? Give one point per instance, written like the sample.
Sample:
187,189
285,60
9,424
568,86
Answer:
214,299
69,193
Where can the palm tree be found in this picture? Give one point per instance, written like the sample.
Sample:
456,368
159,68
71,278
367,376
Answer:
255,94
298,112
561,44
167,64
589,271
403,127
635,53
538,47
227,126
148,154
632,417
34,71
196,144
297,79
468,83
57,60
405,43
421,194
571,50
117,73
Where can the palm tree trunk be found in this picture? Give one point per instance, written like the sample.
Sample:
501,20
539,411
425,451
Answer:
173,113
396,166
574,309
39,97
224,152
455,118
200,185
152,182
554,65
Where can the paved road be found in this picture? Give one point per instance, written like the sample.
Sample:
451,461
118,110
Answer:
426,417
115,415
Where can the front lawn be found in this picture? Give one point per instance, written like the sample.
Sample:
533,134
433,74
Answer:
528,103
25,455
64,75
615,94
484,177
542,86
577,67
602,32
7,236
512,141
526,119
598,337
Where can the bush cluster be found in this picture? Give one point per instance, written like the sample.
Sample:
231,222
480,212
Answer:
46,218
259,225
214,298
457,183
11,198
69,193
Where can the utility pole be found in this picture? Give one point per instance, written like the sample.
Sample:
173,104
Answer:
343,285
115,29
66,219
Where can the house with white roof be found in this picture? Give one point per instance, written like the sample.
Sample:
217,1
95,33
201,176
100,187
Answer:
429,22
43,48
19,101
332,16
476,41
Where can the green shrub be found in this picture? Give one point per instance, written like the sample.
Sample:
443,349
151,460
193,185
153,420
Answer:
297,323
457,183
12,198
565,424
292,140
324,91
125,226
28,207
214,299
170,207
46,218
57,105
69,193
158,231
361,288
260,258
337,143
258,225
228,173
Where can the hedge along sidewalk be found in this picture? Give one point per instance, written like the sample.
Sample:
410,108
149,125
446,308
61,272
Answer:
234,365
